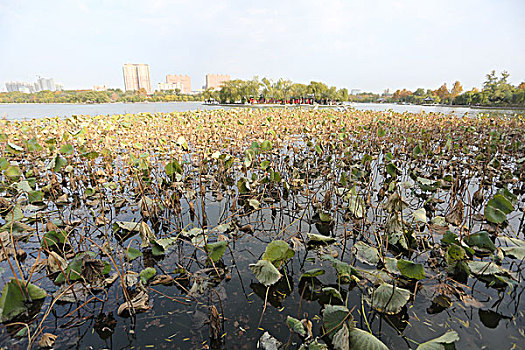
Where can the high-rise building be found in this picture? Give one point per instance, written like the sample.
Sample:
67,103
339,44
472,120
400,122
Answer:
170,86
46,84
136,77
20,87
214,81
40,85
185,80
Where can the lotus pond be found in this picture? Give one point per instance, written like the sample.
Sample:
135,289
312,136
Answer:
274,229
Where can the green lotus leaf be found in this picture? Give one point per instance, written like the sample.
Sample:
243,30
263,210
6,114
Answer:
265,272
362,340
216,250
295,326
147,274
410,269
389,299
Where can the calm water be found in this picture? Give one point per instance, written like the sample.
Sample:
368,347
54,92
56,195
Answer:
43,110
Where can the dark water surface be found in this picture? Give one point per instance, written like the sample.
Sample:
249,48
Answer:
493,320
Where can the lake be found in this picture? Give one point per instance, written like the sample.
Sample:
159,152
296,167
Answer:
43,110
355,206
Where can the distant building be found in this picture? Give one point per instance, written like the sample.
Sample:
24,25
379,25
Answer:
184,80
99,87
214,81
136,77
20,86
46,84
170,86
41,84
355,91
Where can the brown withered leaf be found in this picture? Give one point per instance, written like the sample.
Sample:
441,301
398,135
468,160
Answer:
139,303
455,217
47,340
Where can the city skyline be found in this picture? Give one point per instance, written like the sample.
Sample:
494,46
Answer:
369,46
41,84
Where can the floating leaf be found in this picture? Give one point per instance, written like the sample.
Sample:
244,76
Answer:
173,168
389,299
362,340
147,274
278,251
23,186
133,253
35,196
500,202
494,215
85,266
332,293
497,209
14,148
139,303
265,272
410,269
341,339
266,145
216,250
427,184
345,272
366,253
314,345
391,265
316,239
16,297
488,268
268,342
295,326
66,149
54,238
58,163
254,203
13,172
313,273
420,215
333,318
325,217
4,164
515,252
16,214
437,343
159,246
481,240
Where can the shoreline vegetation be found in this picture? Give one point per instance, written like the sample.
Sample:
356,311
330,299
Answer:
140,223
496,92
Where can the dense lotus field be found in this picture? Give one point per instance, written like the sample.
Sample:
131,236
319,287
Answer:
263,228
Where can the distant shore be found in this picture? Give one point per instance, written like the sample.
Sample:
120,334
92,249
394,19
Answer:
230,105
277,105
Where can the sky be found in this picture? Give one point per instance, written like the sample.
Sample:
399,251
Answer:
370,45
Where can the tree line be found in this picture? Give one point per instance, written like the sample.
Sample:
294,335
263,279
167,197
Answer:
90,96
496,91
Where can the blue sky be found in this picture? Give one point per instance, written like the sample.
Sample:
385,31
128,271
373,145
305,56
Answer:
366,44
